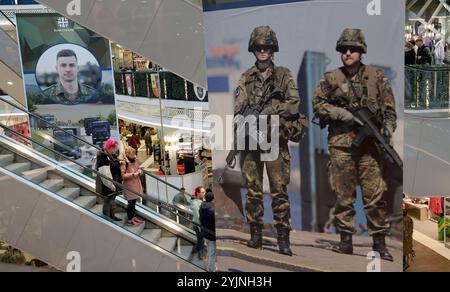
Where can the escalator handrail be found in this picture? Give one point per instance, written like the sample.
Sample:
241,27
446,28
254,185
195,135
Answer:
86,142
119,185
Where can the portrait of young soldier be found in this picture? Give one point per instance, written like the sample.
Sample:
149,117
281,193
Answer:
257,83
68,90
363,85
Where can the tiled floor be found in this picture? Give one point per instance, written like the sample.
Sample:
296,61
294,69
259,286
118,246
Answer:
427,260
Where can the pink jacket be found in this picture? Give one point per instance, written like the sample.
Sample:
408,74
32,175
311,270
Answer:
131,180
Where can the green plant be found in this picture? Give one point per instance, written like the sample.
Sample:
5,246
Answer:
112,118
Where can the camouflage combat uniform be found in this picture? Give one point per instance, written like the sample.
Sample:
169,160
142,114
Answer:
276,87
349,165
56,94
251,88
408,251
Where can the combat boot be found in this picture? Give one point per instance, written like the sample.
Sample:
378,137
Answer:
255,236
284,244
346,244
379,245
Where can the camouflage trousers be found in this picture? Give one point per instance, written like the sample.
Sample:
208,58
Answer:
347,168
278,172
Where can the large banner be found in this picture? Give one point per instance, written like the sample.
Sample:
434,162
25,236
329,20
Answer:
288,213
68,77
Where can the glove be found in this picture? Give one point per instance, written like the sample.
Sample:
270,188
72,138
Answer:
387,131
341,114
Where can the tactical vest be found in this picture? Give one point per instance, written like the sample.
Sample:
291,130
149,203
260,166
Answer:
292,130
369,93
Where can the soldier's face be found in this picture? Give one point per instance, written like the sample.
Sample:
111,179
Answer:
350,56
263,54
67,68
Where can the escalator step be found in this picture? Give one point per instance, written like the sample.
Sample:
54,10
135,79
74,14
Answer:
185,251
152,235
87,202
19,167
199,263
70,193
36,175
122,216
6,159
97,209
53,185
167,243
135,229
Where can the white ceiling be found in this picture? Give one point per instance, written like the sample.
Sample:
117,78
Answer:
168,32
10,69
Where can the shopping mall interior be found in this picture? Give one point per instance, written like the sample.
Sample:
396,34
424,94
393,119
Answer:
158,107
427,166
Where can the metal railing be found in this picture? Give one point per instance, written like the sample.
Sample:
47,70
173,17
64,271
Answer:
427,87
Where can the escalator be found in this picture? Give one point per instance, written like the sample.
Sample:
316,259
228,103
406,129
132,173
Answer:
49,207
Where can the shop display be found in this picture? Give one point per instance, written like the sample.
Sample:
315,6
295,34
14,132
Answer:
447,222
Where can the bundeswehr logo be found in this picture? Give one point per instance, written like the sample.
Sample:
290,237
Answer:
200,92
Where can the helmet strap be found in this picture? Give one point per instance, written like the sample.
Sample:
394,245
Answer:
263,65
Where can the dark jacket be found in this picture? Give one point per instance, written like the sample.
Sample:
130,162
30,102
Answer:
208,221
410,57
425,53
114,164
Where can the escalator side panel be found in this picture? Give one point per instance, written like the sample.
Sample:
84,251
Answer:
17,202
49,227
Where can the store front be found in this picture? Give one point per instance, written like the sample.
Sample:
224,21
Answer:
173,111
182,160
13,119
430,219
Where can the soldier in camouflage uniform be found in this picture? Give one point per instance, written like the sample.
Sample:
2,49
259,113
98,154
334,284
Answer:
68,91
364,85
252,85
408,228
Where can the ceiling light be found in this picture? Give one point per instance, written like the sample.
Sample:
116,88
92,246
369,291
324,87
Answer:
10,83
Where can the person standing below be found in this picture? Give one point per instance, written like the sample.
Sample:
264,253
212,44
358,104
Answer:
199,195
135,142
208,222
423,53
148,142
255,84
356,84
410,54
131,174
108,165
439,50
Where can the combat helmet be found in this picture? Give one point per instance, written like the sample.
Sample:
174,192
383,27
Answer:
352,37
263,36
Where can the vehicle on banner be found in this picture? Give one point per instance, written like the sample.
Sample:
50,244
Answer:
67,144
101,132
88,124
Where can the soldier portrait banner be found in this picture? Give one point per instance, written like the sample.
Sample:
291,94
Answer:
294,213
66,68
68,82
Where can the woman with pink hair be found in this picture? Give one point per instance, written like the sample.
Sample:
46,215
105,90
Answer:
108,165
